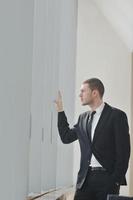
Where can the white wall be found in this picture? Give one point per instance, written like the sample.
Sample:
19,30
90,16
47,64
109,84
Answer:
15,91
131,162
102,54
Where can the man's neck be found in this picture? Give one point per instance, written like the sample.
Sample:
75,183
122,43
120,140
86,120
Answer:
96,104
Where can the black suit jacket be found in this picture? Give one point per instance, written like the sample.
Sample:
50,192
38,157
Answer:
110,146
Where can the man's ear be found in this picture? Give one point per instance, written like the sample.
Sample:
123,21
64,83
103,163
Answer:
95,92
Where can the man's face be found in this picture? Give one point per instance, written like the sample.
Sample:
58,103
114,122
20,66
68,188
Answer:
86,95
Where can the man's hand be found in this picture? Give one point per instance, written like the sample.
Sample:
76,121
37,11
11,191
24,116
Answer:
59,103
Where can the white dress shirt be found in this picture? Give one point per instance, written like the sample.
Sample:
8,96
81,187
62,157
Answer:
94,162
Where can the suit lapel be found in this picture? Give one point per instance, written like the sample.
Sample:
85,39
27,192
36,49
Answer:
86,130
85,121
102,121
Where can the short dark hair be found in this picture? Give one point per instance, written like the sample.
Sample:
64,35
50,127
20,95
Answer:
95,83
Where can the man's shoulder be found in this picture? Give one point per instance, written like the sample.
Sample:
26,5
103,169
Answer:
117,111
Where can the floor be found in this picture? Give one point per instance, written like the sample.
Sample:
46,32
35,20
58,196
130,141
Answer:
61,194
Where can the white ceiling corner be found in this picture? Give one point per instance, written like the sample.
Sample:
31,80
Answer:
120,14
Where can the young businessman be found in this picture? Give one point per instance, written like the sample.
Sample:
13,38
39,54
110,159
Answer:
103,135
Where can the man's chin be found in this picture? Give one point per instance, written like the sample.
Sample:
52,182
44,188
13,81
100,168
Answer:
84,104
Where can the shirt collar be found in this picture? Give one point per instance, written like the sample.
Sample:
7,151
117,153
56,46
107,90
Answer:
100,108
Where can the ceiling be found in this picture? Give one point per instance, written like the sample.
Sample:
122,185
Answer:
120,14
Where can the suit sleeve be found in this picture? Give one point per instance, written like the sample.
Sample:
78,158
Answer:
67,134
122,146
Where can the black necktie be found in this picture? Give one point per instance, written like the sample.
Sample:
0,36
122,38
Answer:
89,124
